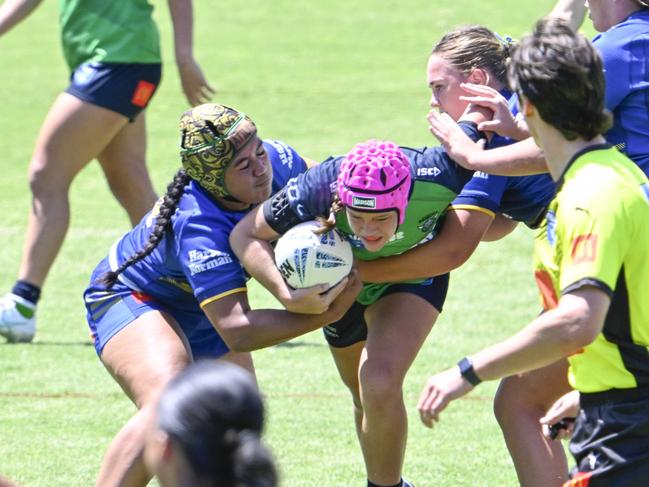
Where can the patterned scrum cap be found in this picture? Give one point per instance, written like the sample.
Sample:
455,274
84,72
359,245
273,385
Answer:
211,135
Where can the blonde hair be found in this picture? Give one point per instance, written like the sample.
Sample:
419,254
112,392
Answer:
473,46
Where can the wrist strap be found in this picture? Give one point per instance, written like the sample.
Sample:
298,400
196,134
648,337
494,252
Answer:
467,371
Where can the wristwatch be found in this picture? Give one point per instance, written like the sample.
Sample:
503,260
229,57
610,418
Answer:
466,371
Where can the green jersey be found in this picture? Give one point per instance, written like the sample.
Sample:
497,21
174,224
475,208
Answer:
436,182
108,31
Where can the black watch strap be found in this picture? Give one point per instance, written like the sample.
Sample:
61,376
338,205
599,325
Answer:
466,370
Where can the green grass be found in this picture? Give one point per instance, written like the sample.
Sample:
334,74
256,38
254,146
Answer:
321,76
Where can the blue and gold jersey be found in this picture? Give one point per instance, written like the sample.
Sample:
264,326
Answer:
624,49
194,262
521,198
596,234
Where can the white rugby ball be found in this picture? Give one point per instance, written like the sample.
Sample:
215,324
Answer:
305,259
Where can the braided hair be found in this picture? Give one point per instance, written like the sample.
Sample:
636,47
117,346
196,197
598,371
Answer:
211,137
167,208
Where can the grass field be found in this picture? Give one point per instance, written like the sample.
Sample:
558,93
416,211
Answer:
320,76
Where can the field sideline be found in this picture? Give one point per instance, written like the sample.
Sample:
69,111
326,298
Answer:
320,76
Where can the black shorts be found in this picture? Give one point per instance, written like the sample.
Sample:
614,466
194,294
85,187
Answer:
352,328
120,87
611,440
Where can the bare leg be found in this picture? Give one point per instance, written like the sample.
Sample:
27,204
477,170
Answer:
142,358
123,161
520,402
73,133
398,324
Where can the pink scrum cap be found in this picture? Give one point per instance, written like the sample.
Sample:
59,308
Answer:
375,176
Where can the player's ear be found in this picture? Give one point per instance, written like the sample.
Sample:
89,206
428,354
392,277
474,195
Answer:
478,76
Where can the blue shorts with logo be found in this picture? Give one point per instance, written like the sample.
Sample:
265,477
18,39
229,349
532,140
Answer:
121,87
109,311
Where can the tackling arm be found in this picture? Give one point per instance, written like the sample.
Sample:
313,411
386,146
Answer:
457,240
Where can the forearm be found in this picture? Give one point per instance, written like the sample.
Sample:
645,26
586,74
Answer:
452,246
182,18
572,11
550,337
267,327
12,12
519,159
258,258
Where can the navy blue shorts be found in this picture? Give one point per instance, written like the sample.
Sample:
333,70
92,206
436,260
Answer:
611,439
352,328
108,311
120,87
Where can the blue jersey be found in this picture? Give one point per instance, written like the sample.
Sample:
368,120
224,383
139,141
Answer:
194,262
625,52
521,198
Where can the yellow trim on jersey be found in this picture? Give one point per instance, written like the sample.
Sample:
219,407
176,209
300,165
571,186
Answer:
473,207
222,295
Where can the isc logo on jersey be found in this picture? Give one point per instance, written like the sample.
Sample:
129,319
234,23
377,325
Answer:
206,259
429,171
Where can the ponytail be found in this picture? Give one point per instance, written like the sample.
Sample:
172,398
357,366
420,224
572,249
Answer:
328,224
253,463
170,200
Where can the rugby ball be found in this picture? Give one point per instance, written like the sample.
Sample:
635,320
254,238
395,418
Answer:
306,259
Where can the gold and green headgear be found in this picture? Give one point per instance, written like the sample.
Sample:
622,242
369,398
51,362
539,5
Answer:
211,136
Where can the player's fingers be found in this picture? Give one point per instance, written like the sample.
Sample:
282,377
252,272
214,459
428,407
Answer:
482,101
333,293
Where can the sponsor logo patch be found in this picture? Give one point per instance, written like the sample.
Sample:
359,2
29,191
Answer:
584,248
142,94
206,259
360,202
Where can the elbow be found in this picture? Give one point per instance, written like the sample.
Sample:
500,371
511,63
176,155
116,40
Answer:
579,331
457,256
238,341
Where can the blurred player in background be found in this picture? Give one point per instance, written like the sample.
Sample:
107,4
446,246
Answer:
112,50
171,290
207,430
590,265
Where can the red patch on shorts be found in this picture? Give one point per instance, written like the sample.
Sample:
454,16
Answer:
582,479
142,94
140,297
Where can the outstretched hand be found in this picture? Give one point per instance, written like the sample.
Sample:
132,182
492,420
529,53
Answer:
438,392
196,88
503,122
458,145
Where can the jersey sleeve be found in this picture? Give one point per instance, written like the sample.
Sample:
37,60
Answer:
483,192
286,163
305,197
592,243
207,260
